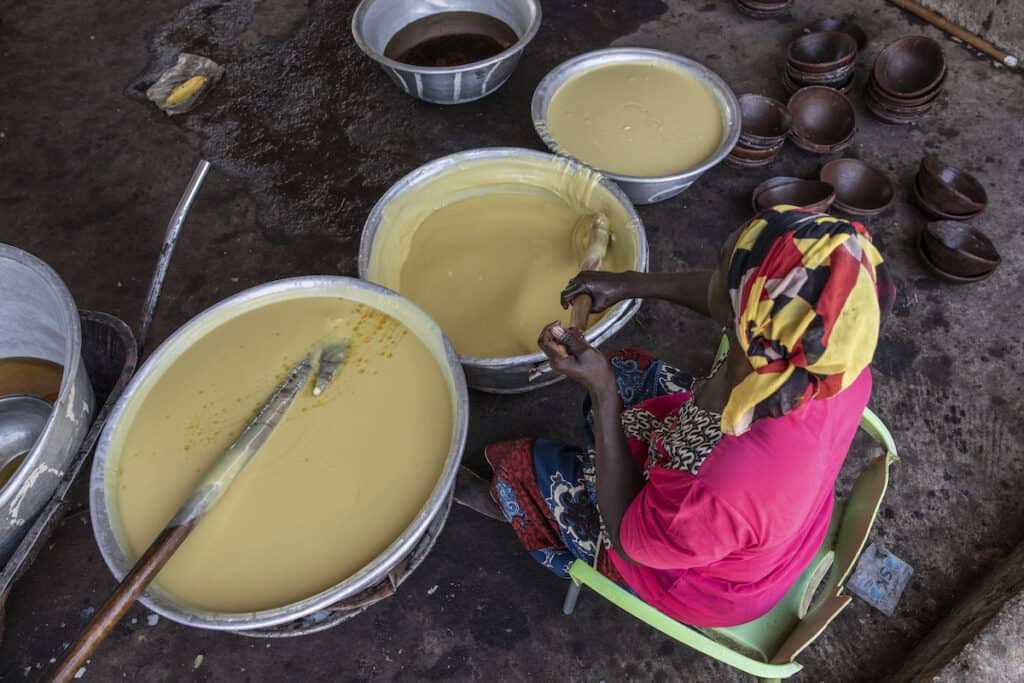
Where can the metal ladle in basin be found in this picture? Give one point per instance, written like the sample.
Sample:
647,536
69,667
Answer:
22,420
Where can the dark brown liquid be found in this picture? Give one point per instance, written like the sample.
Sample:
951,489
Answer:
450,39
33,377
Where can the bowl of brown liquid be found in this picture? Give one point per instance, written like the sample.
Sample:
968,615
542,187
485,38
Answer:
446,53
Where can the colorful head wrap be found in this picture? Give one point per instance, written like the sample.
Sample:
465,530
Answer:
804,290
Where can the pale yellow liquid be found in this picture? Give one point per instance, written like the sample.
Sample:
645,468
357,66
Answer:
489,269
339,479
638,119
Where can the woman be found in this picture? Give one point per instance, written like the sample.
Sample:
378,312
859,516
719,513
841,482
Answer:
709,497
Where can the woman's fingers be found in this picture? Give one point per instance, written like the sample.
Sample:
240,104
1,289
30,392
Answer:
549,341
572,290
573,340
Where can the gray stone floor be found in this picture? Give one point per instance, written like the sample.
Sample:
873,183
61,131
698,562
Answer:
305,134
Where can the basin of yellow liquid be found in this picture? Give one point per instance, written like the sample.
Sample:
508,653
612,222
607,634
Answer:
486,248
338,481
642,118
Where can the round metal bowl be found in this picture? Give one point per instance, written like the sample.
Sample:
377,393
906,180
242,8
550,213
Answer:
369,578
642,190
509,375
39,319
375,22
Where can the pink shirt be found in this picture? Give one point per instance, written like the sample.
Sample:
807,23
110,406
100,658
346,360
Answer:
722,548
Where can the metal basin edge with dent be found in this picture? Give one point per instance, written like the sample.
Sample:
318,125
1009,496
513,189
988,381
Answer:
510,375
287,619
653,189
39,319
375,22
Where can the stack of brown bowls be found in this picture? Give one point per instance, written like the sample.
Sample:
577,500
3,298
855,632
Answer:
957,252
764,9
906,79
823,120
842,25
825,58
766,123
947,192
814,195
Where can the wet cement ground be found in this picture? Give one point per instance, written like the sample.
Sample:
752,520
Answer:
305,134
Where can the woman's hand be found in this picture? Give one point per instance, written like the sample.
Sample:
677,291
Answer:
606,289
571,355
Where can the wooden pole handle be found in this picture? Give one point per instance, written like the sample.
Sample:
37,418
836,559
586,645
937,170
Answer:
963,34
127,592
581,307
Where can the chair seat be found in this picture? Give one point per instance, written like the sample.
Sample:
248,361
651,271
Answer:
767,647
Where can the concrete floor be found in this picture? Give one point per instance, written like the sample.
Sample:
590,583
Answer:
305,134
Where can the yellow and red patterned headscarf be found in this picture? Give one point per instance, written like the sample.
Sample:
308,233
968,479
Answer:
805,293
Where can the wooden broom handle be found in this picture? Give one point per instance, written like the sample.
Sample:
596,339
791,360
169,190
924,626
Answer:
949,27
127,592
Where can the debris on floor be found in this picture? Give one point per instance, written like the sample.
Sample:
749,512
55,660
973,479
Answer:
880,578
182,87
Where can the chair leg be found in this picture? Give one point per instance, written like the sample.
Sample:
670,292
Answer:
571,596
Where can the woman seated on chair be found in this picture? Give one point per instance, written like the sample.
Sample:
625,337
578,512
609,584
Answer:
707,497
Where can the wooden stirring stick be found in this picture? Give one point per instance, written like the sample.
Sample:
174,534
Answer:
206,495
590,237
593,234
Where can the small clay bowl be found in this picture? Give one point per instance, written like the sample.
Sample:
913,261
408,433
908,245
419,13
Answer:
809,146
821,52
938,272
736,162
763,10
769,184
886,99
933,210
839,75
909,67
749,154
822,116
809,194
886,115
916,110
949,188
960,249
841,26
765,121
861,189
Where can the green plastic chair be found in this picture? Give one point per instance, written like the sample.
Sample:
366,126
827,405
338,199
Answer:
768,646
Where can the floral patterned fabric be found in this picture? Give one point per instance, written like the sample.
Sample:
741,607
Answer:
547,489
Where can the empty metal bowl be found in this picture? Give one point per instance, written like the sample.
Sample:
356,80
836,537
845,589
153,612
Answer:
960,249
375,22
639,189
809,194
823,119
817,53
950,189
861,189
909,67
842,26
765,122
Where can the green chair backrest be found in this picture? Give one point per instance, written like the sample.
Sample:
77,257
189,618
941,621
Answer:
767,646
793,624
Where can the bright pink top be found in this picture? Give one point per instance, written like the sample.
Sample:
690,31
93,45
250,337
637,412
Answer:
722,548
